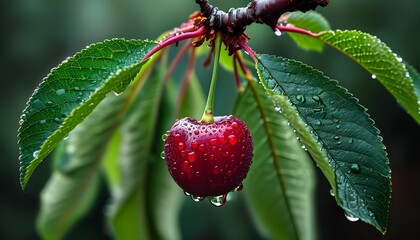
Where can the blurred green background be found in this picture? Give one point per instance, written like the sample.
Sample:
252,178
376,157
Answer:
38,35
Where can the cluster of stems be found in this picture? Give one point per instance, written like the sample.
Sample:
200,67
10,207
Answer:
216,27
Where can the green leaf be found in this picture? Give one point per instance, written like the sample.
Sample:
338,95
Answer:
415,76
193,103
70,93
131,213
337,132
72,187
312,21
378,59
279,187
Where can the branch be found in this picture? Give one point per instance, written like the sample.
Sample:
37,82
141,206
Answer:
259,11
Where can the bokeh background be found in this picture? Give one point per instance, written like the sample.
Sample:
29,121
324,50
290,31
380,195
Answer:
38,35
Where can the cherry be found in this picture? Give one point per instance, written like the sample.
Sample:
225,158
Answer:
208,159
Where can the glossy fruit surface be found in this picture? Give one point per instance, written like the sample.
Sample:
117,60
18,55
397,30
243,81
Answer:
208,159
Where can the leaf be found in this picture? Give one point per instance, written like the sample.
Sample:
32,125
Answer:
312,21
73,185
71,92
378,59
193,103
338,134
279,187
415,75
130,212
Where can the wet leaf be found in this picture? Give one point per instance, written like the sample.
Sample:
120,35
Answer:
71,92
338,134
72,188
145,180
279,187
312,21
379,60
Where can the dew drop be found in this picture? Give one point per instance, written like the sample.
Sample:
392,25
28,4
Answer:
191,156
196,132
350,217
21,121
35,154
196,198
239,187
277,32
336,137
187,193
300,98
316,98
162,155
194,144
355,168
232,139
43,121
60,91
213,141
181,146
332,192
234,124
201,147
221,139
277,108
164,136
350,140
218,201
373,76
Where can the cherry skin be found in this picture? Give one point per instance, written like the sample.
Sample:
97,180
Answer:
208,159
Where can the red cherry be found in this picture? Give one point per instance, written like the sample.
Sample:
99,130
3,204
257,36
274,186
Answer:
208,159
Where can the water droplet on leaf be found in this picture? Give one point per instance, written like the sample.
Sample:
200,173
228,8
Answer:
60,91
35,154
277,32
355,168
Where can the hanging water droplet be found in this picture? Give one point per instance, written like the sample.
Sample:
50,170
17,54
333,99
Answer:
218,201
355,168
196,198
336,137
162,155
35,154
117,94
373,76
21,121
277,32
332,192
164,136
187,193
239,187
60,91
350,217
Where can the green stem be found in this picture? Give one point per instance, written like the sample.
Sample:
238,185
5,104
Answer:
208,115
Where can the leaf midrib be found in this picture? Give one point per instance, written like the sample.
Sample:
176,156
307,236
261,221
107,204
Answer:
276,161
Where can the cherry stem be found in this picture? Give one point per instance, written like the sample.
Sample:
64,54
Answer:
176,60
290,28
248,50
174,39
208,115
